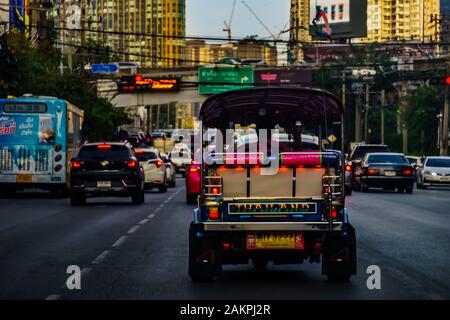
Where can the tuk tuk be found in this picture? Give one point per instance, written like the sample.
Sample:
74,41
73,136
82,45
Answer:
279,200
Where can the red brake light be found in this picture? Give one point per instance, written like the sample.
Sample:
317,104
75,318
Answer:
104,146
447,80
372,171
158,163
132,163
138,151
334,213
76,164
138,78
193,169
214,213
408,172
215,190
348,168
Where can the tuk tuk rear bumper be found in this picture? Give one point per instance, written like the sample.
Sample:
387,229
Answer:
271,226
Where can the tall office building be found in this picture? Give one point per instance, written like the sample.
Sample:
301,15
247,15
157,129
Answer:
147,31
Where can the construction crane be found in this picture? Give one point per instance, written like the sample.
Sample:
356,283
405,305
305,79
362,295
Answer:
227,28
260,21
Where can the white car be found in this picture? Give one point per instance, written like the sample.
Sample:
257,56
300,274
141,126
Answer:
180,158
435,171
155,175
170,170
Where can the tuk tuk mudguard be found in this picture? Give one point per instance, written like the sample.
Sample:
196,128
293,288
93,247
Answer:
339,253
205,255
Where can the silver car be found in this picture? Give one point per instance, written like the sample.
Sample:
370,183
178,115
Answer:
435,171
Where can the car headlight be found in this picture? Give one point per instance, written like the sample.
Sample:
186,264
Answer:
434,174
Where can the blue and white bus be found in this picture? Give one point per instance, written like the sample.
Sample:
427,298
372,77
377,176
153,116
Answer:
38,138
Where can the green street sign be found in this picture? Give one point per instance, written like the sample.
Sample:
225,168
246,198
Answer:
220,79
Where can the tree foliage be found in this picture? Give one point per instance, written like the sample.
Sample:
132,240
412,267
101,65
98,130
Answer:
24,69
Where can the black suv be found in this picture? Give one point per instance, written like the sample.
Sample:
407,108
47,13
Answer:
105,170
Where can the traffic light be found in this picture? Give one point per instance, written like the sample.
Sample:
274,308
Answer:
447,80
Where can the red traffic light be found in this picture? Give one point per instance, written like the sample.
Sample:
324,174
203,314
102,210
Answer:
447,80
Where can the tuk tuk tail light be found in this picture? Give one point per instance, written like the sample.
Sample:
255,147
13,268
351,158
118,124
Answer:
213,213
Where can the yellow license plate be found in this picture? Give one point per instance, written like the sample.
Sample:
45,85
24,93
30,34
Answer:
24,178
275,240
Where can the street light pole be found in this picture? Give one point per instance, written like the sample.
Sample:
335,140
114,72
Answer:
444,150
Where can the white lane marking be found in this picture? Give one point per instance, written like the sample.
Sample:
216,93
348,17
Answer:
161,205
134,229
151,216
157,209
102,256
143,221
119,241
53,297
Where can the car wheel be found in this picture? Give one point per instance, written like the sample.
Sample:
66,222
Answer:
138,197
173,183
409,190
400,190
77,199
191,198
364,187
162,189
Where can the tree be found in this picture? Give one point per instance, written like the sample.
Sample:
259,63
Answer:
424,104
32,70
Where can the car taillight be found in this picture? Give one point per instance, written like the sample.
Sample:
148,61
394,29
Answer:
132,163
372,171
408,172
58,148
104,146
348,168
158,163
193,169
76,164
213,213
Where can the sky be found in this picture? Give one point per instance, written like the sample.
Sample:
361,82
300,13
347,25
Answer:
206,17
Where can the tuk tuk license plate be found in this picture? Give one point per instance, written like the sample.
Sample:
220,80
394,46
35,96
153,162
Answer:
103,184
275,240
24,178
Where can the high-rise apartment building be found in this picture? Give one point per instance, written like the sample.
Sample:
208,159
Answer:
198,52
388,20
148,31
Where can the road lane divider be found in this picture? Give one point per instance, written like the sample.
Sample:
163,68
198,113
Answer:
134,229
102,256
119,242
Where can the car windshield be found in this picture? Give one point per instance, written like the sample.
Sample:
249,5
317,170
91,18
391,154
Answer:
96,152
387,158
360,152
146,156
438,163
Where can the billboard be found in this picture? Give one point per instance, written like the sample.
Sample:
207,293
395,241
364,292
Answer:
19,14
140,83
337,19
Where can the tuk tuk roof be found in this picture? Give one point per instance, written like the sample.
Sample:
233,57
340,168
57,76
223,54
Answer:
307,105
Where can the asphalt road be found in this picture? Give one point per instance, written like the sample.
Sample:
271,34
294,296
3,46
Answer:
140,252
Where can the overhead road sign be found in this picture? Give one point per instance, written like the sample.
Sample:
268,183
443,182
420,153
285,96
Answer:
279,77
105,68
213,80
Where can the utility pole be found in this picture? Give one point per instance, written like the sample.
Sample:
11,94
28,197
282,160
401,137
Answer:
358,119
344,101
404,129
444,149
383,98
366,114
